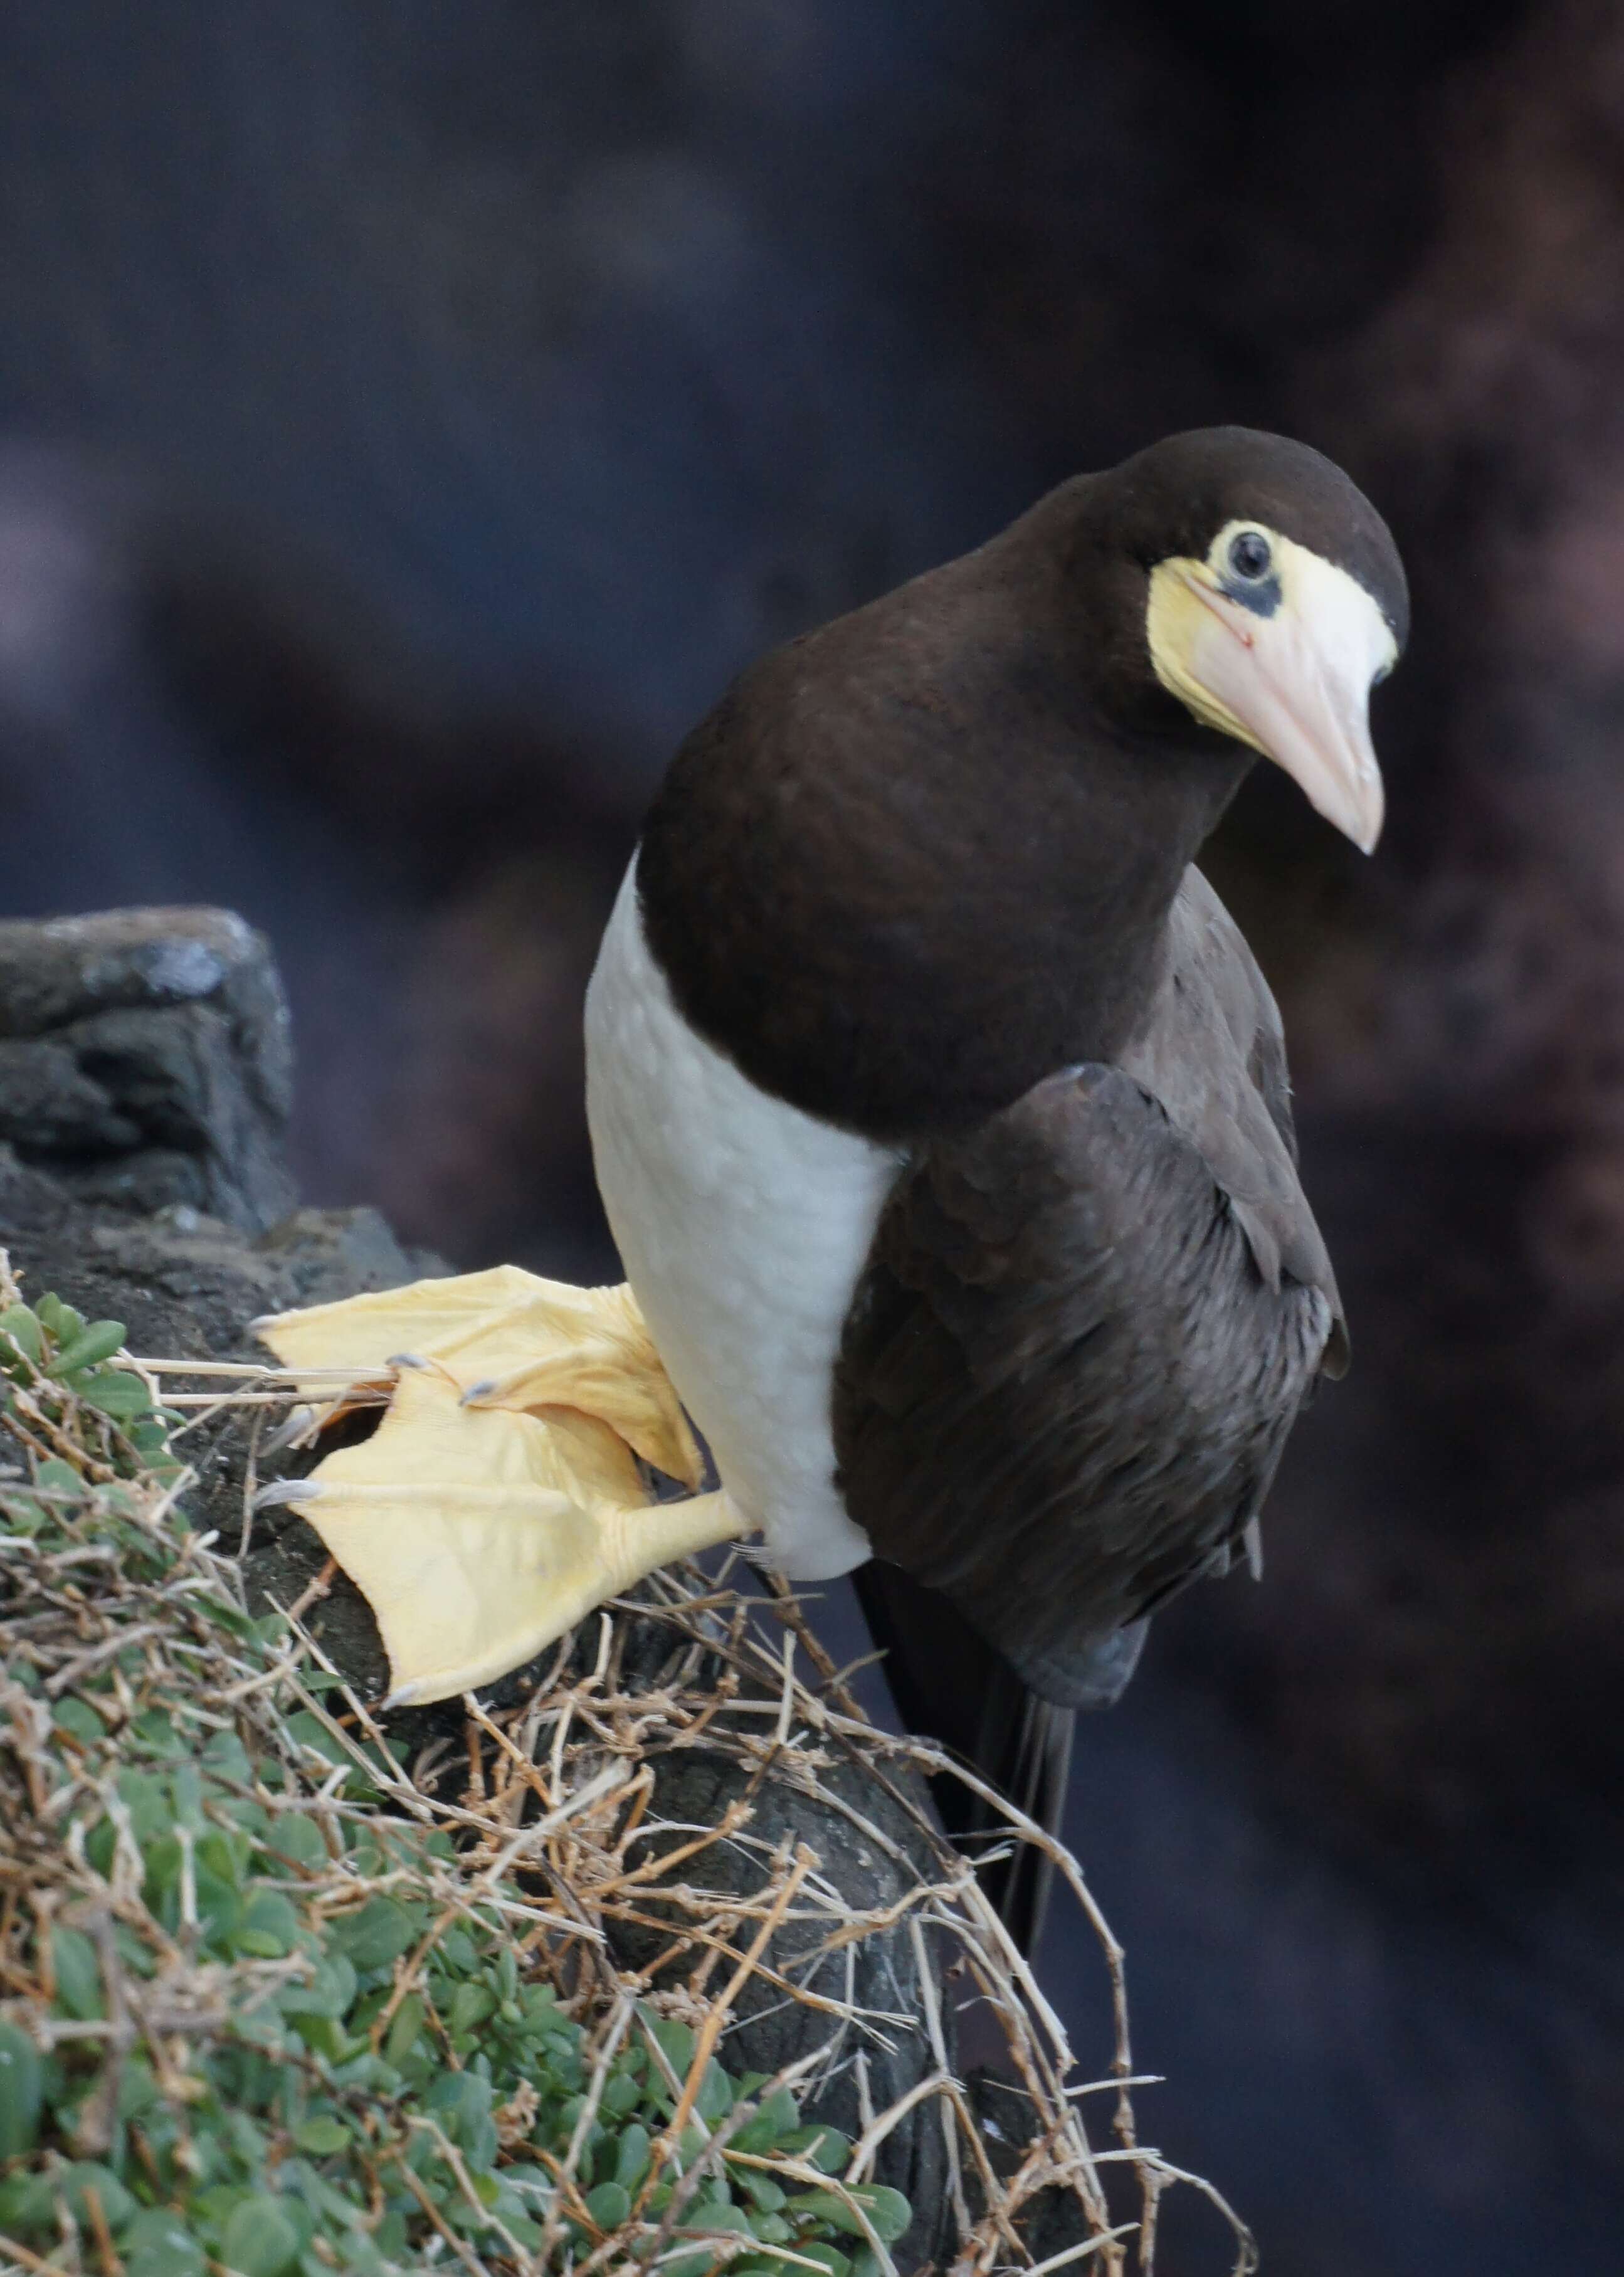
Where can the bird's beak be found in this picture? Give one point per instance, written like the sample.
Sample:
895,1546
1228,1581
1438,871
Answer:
1294,683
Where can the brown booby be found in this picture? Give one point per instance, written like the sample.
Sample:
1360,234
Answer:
941,1117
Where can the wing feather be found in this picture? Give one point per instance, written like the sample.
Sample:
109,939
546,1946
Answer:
1085,1327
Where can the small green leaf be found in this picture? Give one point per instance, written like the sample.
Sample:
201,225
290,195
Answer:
27,2206
631,2158
776,2118
322,2137
834,2260
472,2005
677,2043
21,2091
79,1718
157,2245
327,2037
762,2191
259,2239
59,1321
380,1932
22,1327
145,1795
823,2147
75,2182
457,1948
99,1342
245,2139
298,1839
714,2099
609,2204
713,2214
405,2029
271,1920
318,1681
226,1756
138,2089
115,1392
79,1976
306,1729
218,1905
524,2233
329,1993
888,2211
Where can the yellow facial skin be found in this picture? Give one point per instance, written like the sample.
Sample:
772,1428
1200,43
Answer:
1282,660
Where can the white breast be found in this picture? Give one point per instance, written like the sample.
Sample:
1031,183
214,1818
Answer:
743,1225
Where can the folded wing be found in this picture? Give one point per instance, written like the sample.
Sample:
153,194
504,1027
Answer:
1086,1329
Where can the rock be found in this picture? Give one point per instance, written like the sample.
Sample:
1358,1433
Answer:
322,1255
881,1972
47,1099
146,1062
145,1083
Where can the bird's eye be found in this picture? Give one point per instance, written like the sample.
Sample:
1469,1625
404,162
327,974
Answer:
1250,554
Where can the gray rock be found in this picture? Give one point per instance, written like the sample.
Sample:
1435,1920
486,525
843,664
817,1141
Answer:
52,971
146,1062
322,1255
151,1178
881,1973
48,1101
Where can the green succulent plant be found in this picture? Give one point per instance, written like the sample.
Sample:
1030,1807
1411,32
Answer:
259,2040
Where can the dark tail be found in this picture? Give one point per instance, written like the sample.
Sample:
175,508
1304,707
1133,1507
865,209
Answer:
950,1686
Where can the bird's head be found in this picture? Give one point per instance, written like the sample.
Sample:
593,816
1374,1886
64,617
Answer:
1273,599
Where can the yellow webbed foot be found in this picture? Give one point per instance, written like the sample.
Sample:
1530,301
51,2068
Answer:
511,1339
498,1501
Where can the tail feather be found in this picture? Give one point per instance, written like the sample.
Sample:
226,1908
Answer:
950,1686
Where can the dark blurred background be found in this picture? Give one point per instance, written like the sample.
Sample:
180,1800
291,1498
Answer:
410,415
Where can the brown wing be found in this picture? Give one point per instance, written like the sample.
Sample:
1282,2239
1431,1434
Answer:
1214,1054
1086,1329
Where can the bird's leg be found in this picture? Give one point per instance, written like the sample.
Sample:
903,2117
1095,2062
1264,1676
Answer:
637,1543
